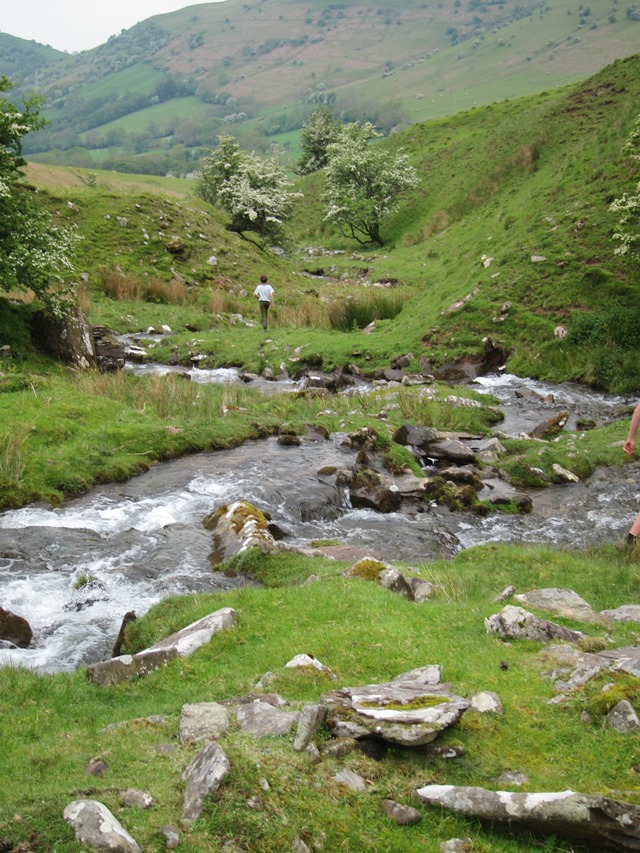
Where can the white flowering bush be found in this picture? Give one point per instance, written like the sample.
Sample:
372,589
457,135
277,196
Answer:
34,255
363,183
627,207
318,132
253,190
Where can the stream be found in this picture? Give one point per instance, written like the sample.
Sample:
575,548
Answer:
74,571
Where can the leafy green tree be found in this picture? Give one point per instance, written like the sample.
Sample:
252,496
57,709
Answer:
628,206
363,183
252,189
318,132
34,255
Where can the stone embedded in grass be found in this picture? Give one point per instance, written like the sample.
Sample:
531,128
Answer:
564,602
590,819
95,826
203,776
623,718
517,623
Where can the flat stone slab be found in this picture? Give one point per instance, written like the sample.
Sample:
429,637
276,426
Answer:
179,645
563,602
597,821
411,710
517,623
626,613
261,719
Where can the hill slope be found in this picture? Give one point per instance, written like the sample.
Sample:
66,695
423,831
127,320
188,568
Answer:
180,78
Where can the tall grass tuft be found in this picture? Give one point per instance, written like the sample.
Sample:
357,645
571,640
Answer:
12,466
126,287
359,313
221,302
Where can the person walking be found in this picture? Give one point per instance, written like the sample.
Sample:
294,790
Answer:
264,292
629,447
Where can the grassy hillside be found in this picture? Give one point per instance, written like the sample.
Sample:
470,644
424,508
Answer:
263,66
53,726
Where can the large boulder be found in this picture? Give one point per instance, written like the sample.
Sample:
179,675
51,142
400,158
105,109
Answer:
411,710
368,489
15,629
596,821
68,338
237,527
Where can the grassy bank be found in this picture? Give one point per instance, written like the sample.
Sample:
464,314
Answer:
52,726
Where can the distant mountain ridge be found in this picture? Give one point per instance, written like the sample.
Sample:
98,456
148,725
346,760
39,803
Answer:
153,97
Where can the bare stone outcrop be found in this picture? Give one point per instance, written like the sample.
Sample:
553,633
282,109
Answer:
69,338
378,710
95,826
516,622
179,645
203,721
598,821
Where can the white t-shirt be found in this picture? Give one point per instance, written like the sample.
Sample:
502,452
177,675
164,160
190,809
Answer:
264,292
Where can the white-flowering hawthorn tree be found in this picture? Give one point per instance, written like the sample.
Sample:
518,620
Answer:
364,182
253,190
318,132
34,255
627,207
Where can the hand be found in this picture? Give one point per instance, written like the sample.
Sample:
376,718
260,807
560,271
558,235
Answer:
629,446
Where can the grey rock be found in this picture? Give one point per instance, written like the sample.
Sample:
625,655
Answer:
506,593
591,819
171,836
300,847
623,719
564,602
203,721
263,720
351,780
456,845
487,702
421,590
95,826
453,450
311,719
178,645
237,527
516,622
15,629
376,709
203,776
133,798
513,777
304,660
400,814
626,613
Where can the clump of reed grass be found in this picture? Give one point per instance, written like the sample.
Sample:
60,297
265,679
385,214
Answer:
128,287
12,465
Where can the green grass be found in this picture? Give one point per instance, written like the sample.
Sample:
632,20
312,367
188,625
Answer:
52,726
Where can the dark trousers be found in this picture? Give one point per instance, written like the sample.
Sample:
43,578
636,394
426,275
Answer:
264,311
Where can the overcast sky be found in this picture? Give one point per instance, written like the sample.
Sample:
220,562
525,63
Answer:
73,25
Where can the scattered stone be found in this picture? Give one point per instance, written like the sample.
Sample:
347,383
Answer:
487,703
590,819
263,720
626,613
506,593
179,645
563,474
311,718
299,846
456,845
564,602
400,814
95,826
301,661
351,780
203,721
550,427
516,622
623,718
96,767
513,777
203,776
133,798
171,836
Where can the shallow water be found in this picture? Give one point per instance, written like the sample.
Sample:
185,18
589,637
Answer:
74,571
